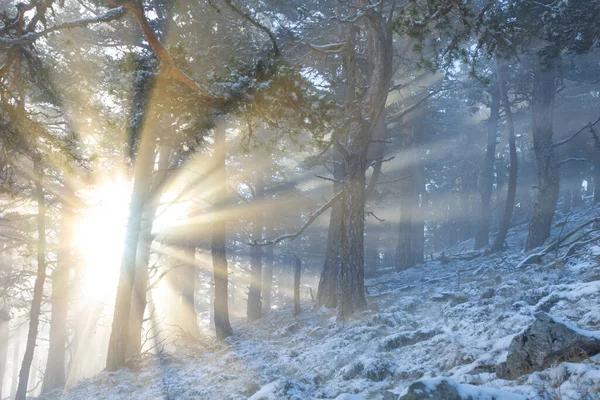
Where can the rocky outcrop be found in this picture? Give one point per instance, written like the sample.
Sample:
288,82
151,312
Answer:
546,341
447,389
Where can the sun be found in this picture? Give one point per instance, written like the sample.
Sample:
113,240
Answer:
100,236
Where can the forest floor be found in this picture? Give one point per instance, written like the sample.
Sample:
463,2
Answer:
453,319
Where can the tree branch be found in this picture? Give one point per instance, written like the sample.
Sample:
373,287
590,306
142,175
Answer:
311,219
29,38
573,136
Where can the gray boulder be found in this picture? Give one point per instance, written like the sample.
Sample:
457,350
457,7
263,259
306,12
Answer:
546,341
447,389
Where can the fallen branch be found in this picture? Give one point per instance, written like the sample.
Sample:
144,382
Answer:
536,258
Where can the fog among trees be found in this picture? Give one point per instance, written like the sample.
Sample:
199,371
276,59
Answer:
299,199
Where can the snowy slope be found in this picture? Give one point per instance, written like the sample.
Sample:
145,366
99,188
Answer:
451,320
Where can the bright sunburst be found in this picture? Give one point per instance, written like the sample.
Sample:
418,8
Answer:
100,234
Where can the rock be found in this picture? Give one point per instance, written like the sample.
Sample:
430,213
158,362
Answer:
406,339
488,293
447,389
546,341
389,395
430,389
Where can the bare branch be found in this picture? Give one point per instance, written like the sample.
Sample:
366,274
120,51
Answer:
29,38
310,220
573,136
257,24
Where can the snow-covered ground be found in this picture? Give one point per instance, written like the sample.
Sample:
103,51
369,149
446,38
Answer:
452,320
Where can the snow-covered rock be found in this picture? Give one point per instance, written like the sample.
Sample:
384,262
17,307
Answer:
547,340
448,389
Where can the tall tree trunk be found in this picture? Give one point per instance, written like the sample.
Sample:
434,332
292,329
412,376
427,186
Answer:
362,124
140,288
120,333
38,289
140,284
487,176
54,375
327,291
254,299
351,287
511,193
33,372
267,283
268,275
407,248
219,240
544,88
297,271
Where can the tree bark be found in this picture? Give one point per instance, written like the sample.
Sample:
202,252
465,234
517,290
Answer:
487,177
544,89
120,332
38,289
297,271
351,288
354,151
411,218
327,291
254,306
511,193
139,299
219,240
54,374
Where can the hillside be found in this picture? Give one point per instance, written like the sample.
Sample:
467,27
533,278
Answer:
454,319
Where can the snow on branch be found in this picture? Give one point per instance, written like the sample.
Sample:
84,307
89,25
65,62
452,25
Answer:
573,136
537,257
330,48
31,37
257,24
310,220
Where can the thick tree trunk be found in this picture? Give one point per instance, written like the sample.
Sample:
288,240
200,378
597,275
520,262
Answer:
487,176
38,289
511,193
297,271
363,122
351,287
54,375
254,306
120,332
544,88
140,288
219,240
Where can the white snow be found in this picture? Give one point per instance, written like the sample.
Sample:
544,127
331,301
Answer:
421,323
